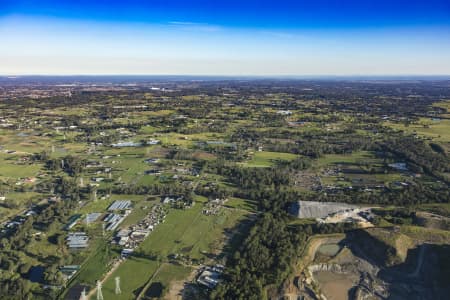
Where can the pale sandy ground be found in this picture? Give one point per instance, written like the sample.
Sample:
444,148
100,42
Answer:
353,215
176,287
335,286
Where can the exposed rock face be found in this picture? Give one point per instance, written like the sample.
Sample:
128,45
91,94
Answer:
325,267
367,287
314,209
362,269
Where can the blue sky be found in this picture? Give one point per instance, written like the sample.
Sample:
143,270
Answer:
225,37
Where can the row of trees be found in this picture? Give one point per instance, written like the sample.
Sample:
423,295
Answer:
268,253
265,258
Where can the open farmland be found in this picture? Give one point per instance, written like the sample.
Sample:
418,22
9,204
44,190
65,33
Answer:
188,189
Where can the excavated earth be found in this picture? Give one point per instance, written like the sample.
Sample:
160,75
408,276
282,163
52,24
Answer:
359,266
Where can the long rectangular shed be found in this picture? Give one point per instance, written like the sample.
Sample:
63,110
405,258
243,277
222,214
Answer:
120,205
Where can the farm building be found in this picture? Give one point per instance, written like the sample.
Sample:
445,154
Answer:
120,205
69,270
210,276
113,220
77,240
92,217
152,172
73,220
126,253
153,142
399,166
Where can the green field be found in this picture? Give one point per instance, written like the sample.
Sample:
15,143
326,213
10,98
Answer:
245,204
267,159
438,130
168,273
190,233
12,169
20,199
141,209
96,265
360,157
134,274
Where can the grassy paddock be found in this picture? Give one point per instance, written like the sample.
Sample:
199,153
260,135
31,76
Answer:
134,274
267,159
438,130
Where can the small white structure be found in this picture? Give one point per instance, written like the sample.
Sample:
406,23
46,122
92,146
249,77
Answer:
284,112
83,295
399,166
118,291
77,240
153,142
99,290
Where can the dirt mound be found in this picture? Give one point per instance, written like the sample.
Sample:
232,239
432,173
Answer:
387,246
372,263
430,220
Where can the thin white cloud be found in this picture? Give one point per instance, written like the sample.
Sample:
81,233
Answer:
194,26
185,23
280,34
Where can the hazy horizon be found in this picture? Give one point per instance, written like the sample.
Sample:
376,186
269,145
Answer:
238,77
